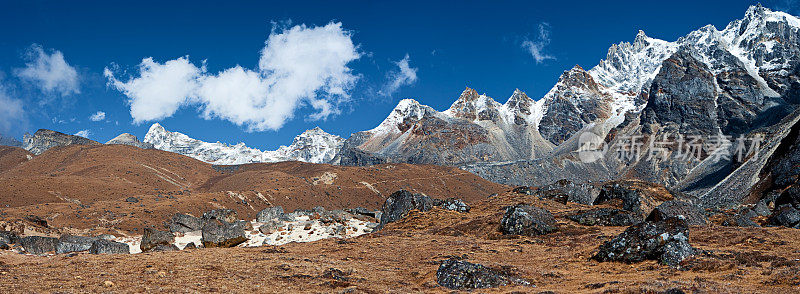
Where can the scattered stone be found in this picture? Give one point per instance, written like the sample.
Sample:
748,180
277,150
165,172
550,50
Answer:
606,217
38,244
108,284
103,246
132,200
400,203
666,241
218,233
363,211
692,213
184,223
453,204
225,215
522,190
269,213
459,275
152,238
270,227
69,243
527,220
36,220
743,218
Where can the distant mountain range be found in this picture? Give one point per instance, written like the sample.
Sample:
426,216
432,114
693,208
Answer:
742,82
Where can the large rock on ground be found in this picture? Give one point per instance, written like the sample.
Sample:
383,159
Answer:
606,217
223,234
269,213
400,203
565,191
459,275
38,244
785,215
184,223
8,238
692,213
665,241
452,204
152,238
103,246
69,243
631,200
527,220
225,215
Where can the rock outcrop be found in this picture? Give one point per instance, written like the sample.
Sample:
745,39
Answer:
665,241
527,220
461,275
43,140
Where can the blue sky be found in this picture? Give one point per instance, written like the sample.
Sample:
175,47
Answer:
449,46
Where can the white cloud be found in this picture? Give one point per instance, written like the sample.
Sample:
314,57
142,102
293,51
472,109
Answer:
50,72
537,47
11,111
160,89
299,66
83,133
98,116
403,75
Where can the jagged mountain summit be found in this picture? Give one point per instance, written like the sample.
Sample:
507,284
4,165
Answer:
131,140
43,140
476,128
314,146
742,82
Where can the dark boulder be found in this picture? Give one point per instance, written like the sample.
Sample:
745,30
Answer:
527,220
564,191
742,218
225,215
152,238
132,200
269,213
785,215
69,243
665,241
38,244
631,199
525,190
453,204
400,203
692,213
606,217
223,234
270,227
103,246
184,223
163,248
459,275
8,237
363,211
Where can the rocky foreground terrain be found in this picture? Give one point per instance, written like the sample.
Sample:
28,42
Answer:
546,245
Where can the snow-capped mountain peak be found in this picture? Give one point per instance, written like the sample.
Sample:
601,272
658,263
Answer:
406,109
313,145
474,107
